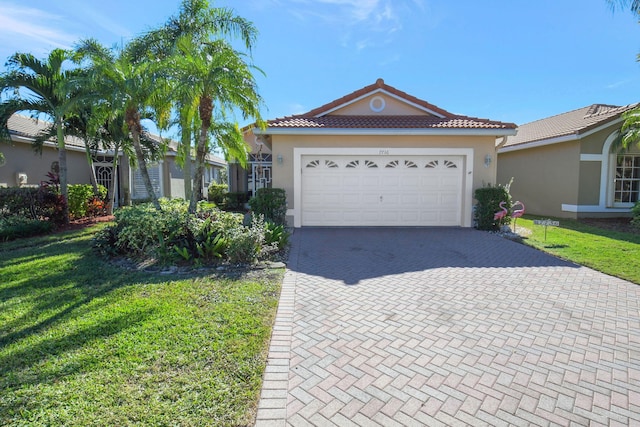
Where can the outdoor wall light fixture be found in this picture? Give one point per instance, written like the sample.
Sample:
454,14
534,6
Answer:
487,160
279,159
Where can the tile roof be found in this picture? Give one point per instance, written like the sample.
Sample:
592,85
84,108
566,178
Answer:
387,122
574,122
439,118
27,127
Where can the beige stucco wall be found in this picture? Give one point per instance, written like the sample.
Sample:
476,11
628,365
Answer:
544,177
392,107
20,157
283,174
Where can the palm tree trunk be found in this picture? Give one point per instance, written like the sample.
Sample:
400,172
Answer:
201,153
186,147
114,179
205,108
133,122
92,173
62,165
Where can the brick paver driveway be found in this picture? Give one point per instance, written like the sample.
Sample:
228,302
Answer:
404,327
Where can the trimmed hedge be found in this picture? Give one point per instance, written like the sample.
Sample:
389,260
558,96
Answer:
271,203
216,193
488,203
42,203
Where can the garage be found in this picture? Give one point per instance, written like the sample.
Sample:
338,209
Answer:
356,190
379,157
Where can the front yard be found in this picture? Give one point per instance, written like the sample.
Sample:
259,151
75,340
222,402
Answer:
612,252
83,342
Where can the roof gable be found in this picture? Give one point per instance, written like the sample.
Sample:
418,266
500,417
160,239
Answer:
368,94
570,125
379,107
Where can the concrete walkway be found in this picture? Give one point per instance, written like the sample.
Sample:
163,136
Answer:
444,327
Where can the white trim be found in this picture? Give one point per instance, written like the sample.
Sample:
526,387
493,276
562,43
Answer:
592,209
559,139
591,157
298,152
390,131
380,90
607,172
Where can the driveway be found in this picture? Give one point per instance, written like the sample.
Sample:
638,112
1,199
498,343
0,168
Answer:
432,326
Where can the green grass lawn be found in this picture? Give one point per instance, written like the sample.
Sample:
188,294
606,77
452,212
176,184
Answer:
83,342
611,252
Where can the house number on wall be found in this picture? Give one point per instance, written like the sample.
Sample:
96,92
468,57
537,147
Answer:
383,152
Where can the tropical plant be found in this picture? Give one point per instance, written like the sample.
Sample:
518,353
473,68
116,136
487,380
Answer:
130,87
220,79
42,88
631,5
194,41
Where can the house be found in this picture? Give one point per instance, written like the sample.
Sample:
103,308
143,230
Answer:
375,157
569,166
25,167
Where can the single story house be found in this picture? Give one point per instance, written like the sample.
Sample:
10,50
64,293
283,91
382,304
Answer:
23,166
570,166
375,157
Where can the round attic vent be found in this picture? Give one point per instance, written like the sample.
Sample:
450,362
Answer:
377,104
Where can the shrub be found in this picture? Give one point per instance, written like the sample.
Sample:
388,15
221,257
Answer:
144,231
272,203
14,227
275,235
209,236
635,211
216,193
235,201
488,203
19,201
83,202
246,245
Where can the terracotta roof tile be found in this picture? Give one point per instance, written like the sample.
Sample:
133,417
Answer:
387,122
440,119
573,122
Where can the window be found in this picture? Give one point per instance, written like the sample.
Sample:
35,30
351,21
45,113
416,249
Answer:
627,179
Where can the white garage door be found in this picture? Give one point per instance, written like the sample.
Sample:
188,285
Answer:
382,190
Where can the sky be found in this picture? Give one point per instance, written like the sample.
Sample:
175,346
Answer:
509,60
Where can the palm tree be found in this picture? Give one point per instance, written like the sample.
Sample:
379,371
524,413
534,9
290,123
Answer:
218,77
201,23
131,87
632,5
40,87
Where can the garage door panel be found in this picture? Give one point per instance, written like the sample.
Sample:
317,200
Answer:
347,191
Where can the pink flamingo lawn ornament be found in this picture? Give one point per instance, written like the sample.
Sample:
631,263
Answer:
516,213
498,216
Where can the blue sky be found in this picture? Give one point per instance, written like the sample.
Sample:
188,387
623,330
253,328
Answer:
506,60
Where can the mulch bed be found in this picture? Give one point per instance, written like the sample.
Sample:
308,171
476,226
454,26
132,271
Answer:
78,224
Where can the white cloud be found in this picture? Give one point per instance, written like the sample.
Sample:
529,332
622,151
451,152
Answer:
361,24
89,13
20,26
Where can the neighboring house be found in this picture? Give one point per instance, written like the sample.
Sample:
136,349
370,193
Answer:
375,157
568,165
25,167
